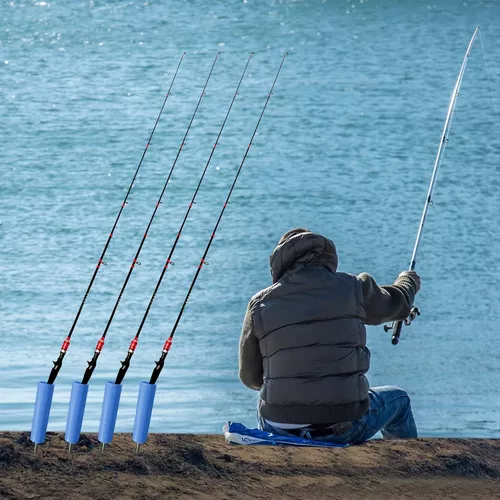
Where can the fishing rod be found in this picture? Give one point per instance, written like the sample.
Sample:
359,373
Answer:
147,389
44,392
112,391
79,391
397,326
126,363
65,345
92,363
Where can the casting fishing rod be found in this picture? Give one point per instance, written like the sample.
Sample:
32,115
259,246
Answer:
126,363
79,392
100,344
66,343
160,363
398,325
147,390
45,391
112,392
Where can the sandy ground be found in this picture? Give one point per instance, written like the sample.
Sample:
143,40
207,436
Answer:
205,467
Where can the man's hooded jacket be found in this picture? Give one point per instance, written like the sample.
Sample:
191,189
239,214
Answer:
303,342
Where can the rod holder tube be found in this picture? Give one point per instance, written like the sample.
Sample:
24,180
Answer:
110,404
76,411
41,413
145,402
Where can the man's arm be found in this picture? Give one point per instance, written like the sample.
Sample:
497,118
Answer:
250,358
389,302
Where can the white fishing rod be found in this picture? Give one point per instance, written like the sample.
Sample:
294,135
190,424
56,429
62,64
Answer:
398,325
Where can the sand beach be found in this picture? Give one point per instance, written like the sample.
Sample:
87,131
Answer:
182,466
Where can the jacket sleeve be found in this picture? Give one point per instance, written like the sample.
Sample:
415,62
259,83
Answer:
250,357
388,302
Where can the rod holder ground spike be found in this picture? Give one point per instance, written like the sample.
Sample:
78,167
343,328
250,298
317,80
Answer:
76,411
41,413
145,402
110,404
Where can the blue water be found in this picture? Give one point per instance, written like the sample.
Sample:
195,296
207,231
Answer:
345,148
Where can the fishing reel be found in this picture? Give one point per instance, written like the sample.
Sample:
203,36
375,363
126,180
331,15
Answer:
398,325
415,311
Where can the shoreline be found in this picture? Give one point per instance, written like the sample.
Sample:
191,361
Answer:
206,467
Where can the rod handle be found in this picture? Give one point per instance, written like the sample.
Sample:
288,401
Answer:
396,332
125,364
158,368
91,367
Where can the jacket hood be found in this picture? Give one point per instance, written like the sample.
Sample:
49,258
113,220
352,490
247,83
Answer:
303,248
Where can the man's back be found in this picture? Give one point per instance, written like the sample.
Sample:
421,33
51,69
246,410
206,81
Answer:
312,340
303,338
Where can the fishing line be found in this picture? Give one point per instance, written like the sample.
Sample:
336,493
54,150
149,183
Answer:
147,389
79,391
112,391
45,391
489,78
397,325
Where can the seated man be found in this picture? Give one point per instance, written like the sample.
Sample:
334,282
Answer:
303,346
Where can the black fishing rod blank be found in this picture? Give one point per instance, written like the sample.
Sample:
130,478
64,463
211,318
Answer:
45,391
79,391
101,262
147,390
100,344
397,326
112,391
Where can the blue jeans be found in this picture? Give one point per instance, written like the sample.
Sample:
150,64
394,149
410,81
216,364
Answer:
389,412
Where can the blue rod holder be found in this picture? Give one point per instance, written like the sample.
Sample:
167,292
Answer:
76,411
43,402
110,404
143,412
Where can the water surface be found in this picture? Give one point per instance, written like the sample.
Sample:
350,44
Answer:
346,148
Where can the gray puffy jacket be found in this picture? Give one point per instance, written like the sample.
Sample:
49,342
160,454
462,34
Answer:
303,343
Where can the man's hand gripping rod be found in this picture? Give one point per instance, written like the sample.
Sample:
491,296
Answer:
398,325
